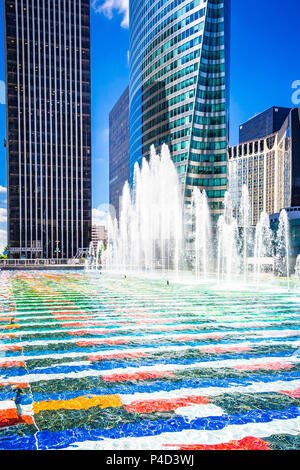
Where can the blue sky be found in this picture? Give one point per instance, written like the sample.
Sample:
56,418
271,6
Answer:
264,64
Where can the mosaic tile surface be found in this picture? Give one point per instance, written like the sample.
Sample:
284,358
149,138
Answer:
89,362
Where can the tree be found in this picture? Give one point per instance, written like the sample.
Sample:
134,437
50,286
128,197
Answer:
3,256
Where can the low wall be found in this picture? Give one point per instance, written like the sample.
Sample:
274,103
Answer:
48,267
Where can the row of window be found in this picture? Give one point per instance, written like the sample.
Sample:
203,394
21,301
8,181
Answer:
173,113
196,157
169,91
215,68
175,76
206,181
210,121
173,65
179,50
175,100
180,158
211,194
171,136
137,27
211,95
210,108
180,37
209,133
171,125
208,145
208,170
162,96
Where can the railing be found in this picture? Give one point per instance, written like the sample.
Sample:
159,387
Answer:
40,262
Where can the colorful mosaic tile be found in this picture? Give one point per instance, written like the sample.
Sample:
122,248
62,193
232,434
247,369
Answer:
89,361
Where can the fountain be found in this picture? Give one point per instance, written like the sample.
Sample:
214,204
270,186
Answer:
227,229
297,268
244,214
156,231
90,261
202,232
99,251
149,234
263,246
282,246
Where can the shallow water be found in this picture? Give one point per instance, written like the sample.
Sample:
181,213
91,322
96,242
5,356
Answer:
97,362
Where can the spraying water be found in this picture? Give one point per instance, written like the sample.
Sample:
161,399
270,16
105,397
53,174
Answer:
297,267
157,231
99,251
263,245
89,262
283,246
244,214
150,231
228,258
202,233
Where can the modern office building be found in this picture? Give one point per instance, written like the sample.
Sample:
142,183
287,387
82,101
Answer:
179,89
270,168
99,234
47,48
118,150
263,124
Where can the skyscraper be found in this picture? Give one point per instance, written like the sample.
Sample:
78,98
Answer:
263,124
118,150
179,89
47,47
269,167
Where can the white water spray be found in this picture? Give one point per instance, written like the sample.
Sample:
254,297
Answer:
155,230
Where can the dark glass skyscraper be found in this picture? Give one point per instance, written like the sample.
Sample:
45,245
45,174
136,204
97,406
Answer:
179,88
47,46
263,124
118,150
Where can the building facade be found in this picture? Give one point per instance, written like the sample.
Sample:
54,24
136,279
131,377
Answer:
47,48
270,168
179,89
118,150
99,234
263,124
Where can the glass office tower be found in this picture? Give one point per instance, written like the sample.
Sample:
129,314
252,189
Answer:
261,125
118,151
179,88
47,47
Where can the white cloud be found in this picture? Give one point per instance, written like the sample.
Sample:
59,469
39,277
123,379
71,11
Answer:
2,189
99,217
3,215
3,239
100,214
107,7
2,92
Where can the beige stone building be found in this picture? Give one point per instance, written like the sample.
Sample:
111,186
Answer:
269,167
99,233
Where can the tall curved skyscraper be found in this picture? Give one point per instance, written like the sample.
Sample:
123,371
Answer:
179,88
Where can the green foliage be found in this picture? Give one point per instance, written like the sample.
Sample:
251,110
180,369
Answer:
3,256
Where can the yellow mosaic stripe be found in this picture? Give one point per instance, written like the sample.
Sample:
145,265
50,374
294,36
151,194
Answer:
79,403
